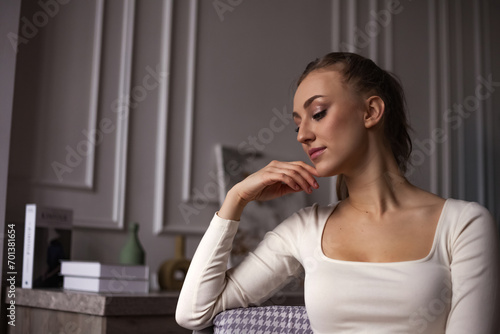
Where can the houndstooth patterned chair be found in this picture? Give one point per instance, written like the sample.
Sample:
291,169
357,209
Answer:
262,320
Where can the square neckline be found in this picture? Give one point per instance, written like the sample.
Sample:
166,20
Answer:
424,259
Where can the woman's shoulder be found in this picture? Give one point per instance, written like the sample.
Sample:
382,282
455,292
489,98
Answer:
470,232
308,219
455,211
424,198
461,217
317,211
465,211
304,227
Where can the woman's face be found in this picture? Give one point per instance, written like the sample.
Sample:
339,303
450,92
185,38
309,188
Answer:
330,119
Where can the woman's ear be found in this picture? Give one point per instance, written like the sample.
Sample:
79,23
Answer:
375,108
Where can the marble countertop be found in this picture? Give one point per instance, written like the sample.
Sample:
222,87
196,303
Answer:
153,303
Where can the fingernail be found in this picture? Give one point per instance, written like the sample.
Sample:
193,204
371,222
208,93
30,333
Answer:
316,185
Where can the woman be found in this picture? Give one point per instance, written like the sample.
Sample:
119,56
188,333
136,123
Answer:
387,258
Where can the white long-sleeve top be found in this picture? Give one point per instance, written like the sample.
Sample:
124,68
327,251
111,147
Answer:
453,290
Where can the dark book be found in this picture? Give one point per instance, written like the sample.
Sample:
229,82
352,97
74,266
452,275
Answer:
47,241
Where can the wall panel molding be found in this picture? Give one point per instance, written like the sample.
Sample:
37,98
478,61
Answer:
88,182
190,104
336,25
459,95
479,113
163,119
351,15
388,42
336,42
100,202
96,56
375,41
433,88
116,221
444,99
122,131
490,147
162,222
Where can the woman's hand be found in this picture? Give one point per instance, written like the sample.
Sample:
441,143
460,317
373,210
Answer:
275,180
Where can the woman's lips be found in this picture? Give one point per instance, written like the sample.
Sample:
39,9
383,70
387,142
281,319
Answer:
316,152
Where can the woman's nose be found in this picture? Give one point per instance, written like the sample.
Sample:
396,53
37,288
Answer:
304,134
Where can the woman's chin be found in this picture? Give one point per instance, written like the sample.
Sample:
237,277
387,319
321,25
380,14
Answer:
325,172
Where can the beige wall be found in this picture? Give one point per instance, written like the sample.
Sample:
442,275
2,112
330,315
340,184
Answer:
201,74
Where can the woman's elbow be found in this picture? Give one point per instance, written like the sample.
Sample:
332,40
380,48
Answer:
188,320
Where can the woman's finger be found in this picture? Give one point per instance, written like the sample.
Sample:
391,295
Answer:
309,168
311,173
287,176
299,172
278,178
290,177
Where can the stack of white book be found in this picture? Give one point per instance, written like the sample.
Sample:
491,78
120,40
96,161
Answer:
106,278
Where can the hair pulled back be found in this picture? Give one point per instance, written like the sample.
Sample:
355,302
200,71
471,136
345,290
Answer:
366,77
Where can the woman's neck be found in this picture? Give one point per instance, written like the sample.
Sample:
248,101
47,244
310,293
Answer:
378,188
379,195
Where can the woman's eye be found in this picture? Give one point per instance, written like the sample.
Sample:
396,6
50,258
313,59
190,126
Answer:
319,115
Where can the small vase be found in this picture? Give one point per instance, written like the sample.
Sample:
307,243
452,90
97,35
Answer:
172,272
132,252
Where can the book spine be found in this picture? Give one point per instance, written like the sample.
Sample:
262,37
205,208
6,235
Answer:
29,246
54,217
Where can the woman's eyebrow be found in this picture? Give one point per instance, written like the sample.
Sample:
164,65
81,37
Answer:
310,100
307,104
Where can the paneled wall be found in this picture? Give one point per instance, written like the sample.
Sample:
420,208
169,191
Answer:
119,104
70,147
127,101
